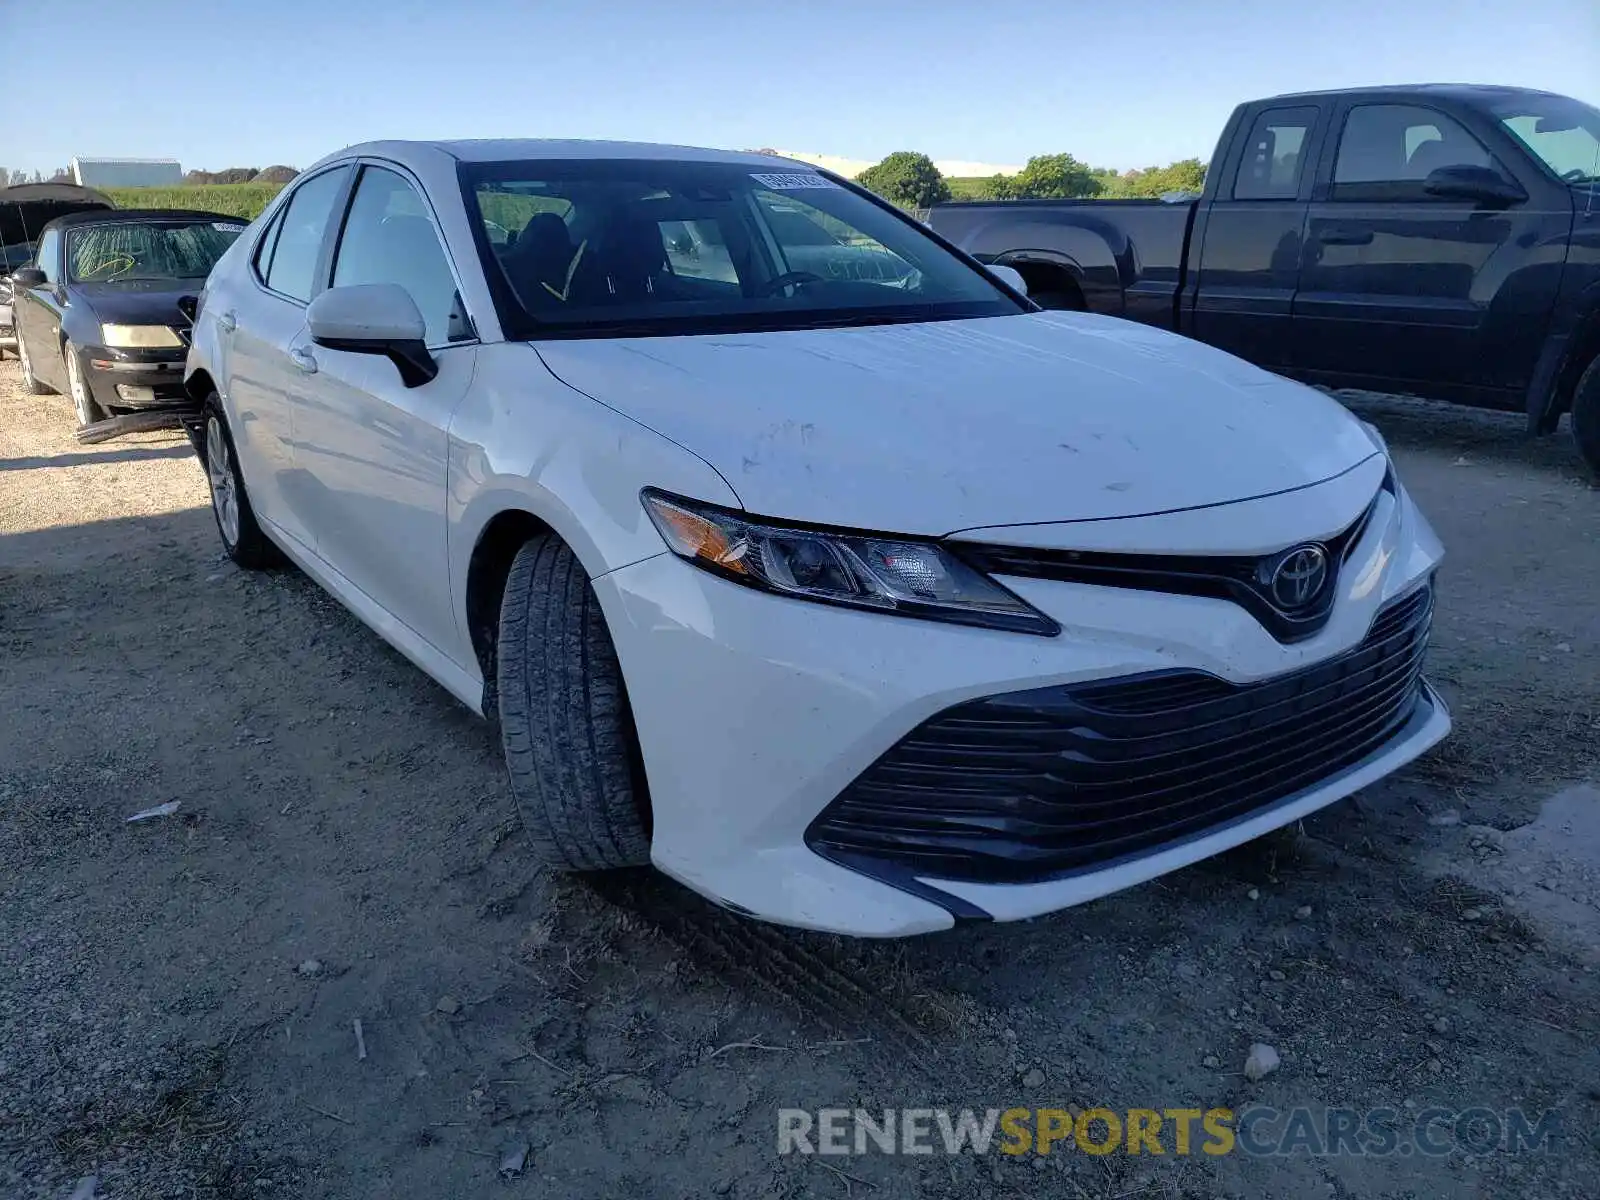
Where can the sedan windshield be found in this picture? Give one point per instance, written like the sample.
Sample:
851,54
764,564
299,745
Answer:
142,251
639,247
1563,133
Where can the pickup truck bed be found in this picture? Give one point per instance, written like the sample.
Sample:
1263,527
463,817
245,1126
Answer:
1440,240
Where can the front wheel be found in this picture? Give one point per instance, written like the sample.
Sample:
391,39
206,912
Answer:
230,503
78,388
565,722
1586,416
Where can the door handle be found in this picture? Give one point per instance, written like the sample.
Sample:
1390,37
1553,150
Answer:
228,322
303,359
1344,235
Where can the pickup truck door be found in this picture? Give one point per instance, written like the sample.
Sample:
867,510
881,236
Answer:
1396,285
1250,245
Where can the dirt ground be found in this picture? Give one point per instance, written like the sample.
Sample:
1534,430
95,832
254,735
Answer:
178,996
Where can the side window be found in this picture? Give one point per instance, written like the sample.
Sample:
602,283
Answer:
269,240
389,238
49,256
1388,150
305,220
1275,155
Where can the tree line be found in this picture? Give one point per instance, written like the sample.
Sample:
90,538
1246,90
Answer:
910,179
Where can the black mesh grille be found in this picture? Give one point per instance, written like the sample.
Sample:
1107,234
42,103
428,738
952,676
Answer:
1030,785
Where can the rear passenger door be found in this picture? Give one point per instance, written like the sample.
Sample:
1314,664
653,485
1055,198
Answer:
1250,247
261,322
1396,283
375,451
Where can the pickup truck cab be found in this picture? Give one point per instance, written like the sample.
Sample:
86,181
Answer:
1440,240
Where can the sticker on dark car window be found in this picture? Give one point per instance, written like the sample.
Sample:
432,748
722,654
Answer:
792,183
227,227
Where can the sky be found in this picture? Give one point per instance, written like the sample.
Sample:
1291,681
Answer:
1118,83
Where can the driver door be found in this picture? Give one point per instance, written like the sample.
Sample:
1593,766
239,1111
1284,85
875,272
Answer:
1397,284
37,313
376,450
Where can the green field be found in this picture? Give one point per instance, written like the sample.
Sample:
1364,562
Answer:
968,187
233,199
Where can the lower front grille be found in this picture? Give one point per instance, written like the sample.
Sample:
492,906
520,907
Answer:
1038,784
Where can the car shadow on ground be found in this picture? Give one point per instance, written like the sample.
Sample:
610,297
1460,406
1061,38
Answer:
126,454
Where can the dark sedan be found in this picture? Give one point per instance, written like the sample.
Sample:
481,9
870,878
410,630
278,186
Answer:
99,311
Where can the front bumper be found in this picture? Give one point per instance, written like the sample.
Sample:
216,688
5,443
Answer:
134,380
755,713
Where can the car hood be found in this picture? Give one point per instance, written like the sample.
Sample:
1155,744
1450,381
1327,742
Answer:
138,302
936,427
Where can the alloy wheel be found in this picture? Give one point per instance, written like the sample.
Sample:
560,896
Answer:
79,389
219,472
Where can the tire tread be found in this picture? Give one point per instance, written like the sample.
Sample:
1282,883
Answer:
565,723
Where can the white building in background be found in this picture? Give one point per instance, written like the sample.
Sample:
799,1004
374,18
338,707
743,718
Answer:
126,172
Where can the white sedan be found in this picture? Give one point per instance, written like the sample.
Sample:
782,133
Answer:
861,601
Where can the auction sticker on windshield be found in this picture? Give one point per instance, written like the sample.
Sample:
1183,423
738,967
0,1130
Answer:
792,183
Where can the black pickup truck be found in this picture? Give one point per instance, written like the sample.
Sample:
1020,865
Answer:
1439,240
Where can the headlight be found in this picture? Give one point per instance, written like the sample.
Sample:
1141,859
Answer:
894,575
139,337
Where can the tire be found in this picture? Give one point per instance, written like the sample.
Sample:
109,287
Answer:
30,384
83,401
565,723
1586,415
241,535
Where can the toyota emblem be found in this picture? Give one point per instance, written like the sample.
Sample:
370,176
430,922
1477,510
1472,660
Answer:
1298,578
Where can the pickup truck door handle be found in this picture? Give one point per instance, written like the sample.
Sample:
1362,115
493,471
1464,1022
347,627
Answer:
303,359
1345,235
227,322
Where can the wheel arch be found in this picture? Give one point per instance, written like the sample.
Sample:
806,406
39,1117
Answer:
1047,273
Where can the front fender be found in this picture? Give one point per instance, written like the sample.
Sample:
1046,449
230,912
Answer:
1567,348
525,441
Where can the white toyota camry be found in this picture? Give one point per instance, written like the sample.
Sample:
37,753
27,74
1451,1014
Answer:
794,552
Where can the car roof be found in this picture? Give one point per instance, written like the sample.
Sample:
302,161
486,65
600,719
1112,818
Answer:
129,216
1453,91
516,149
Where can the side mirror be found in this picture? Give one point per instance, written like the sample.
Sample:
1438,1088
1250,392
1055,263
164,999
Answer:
1009,276
1482,185
28,277
374,318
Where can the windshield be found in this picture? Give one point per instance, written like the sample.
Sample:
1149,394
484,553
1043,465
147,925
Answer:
639,247
1564,133
141,251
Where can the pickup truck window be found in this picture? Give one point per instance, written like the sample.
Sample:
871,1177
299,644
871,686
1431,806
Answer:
1274,155
1384,145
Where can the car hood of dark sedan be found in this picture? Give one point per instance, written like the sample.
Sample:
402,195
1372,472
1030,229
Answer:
937,427
138,301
